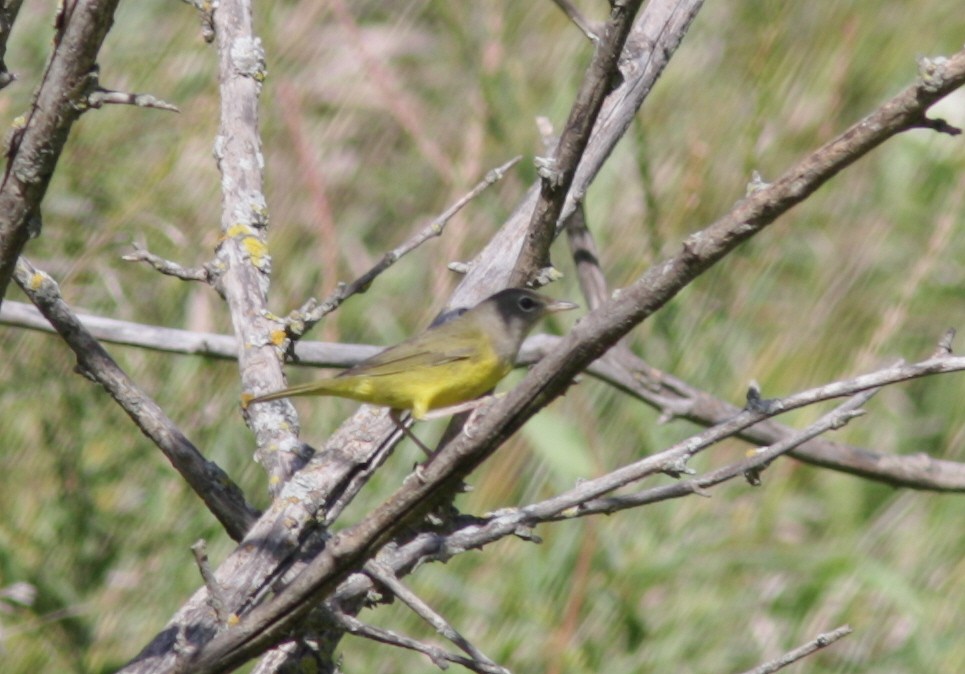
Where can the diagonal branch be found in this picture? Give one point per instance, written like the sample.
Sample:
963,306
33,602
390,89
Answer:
8,14
439,657
58,103
268,623
821,641
387,578
302,320
557,173
751,467
219,493
649,48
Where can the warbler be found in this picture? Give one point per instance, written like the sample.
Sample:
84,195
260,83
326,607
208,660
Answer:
445,366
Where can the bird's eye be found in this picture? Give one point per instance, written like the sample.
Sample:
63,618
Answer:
527,303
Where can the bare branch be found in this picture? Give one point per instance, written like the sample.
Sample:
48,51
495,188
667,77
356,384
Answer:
821,641
242,253
206,273
216,596
35,148
557,173
648,50
8,14
387,578
675,458
438,656
222,496
100,97
313,311
208,344
588,28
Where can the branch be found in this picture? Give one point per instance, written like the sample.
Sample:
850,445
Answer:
677,398
100,97
242,254
648,50
673,462
189,342
617,367
557,173
302,320
222,496
438,656
801,652
8,14
216,597
588,28
207,273
387,578
267,623
36,146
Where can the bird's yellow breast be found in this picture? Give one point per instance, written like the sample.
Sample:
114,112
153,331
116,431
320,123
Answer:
425,387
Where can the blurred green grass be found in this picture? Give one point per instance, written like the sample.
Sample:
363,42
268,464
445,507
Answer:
865,272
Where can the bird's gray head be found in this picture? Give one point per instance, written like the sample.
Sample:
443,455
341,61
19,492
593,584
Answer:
519,309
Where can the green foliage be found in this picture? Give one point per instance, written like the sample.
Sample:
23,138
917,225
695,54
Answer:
863,273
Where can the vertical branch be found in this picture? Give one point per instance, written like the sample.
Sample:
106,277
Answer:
243,252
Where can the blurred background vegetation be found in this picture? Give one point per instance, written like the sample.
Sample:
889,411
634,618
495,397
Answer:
378,115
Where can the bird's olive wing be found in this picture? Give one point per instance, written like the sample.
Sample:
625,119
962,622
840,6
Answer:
429,349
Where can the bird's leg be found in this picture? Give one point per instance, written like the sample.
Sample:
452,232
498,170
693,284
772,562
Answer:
396,416
461,407
477,406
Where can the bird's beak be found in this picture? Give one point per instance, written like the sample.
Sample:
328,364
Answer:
560,305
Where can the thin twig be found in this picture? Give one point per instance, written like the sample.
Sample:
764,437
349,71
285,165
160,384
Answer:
169,268
438,656
216,595
306,316
386,577
821,641
101,96
751,467
590,29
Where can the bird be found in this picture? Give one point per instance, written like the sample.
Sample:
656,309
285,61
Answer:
446,366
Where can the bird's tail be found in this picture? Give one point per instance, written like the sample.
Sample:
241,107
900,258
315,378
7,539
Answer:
316,388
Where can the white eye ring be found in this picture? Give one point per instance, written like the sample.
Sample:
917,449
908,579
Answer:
527,303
